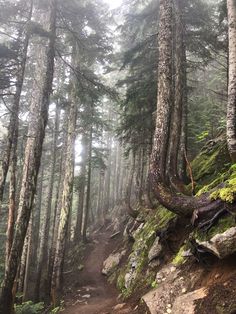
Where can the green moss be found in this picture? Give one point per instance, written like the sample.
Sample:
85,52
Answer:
228,192
223,224
179,259
212,160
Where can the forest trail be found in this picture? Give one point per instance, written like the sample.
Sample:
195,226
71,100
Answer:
93,294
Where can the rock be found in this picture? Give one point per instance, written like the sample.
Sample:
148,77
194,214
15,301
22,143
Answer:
80,267
129,277
187,253
119,306
170,286
155,250
86,296
154,264
112,262
185,304
223,244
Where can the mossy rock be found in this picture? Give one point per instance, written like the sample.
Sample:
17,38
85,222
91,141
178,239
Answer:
228,192
228,178
157,220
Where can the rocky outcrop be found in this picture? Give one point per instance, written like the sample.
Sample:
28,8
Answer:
112,262
221,245
170,286
155,250
185,304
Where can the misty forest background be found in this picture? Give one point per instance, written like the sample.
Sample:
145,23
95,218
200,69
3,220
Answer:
78,114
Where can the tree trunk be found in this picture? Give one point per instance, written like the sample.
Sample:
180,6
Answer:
231,108
129,208
65,207
33,152
87,204
164,98
82,183
12,136
58,199
43,249
176,119
27,288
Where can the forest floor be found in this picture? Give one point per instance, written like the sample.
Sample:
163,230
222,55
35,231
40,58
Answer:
90,292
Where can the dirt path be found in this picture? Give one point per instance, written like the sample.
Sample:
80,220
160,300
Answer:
93,293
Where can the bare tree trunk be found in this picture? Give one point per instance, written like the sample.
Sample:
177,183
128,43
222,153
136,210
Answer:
107,191
65,207
133,213
33,152
87,204
82,183
176,120
43,249
231,109
58,200
12,136
22,266
118,171
27,289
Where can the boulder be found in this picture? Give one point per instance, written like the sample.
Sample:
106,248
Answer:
221,245
111,263
170,286
185,304
155,250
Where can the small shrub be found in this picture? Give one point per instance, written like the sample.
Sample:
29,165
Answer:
29,308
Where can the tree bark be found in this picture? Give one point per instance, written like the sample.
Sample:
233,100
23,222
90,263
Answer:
176,119
133,213
87,204
43,248
82,184
231,108
33,152
65,207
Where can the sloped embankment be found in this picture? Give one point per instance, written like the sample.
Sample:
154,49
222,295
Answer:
173,268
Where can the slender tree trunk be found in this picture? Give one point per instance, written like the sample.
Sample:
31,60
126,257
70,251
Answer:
129,208
231,109
118,171
65,207
43,249
179,92
22,266
99,201
12,136
79,220
107,191
27,289
87,204
33,152
58,200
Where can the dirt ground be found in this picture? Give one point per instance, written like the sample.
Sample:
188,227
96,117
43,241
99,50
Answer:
90,292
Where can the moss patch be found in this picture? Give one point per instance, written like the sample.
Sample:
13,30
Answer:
213,159
179,259
228,192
